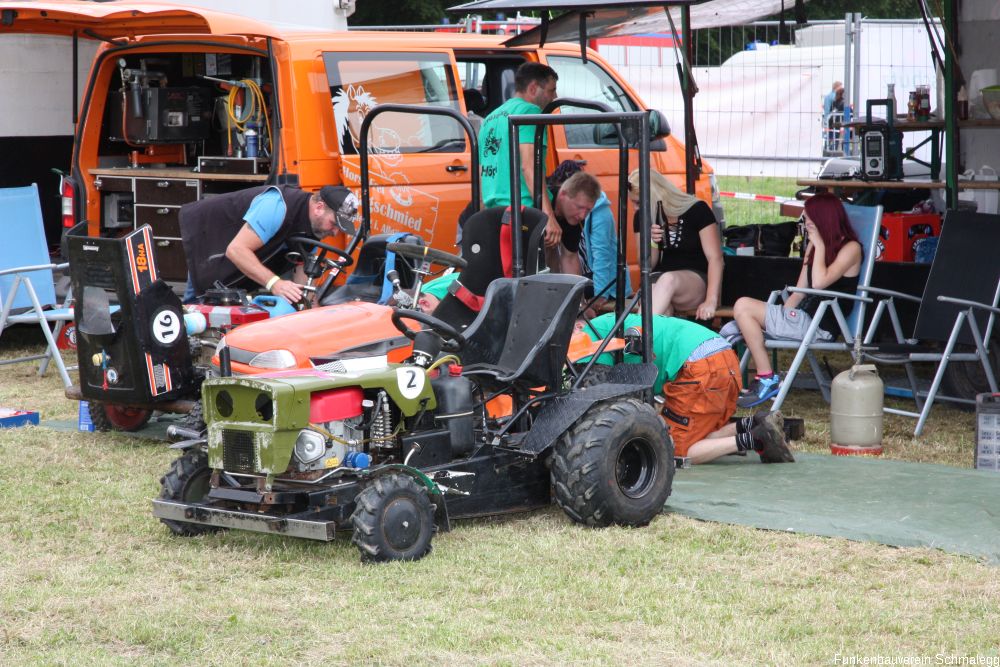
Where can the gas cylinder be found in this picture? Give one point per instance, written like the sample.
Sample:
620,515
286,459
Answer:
856,412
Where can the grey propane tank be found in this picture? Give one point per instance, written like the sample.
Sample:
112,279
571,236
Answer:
454,408
856,411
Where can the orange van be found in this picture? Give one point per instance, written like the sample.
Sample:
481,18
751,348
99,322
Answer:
184,103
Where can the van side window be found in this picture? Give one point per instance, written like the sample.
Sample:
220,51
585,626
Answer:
361,81
589,81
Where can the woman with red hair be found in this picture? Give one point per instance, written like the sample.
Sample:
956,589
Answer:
832,261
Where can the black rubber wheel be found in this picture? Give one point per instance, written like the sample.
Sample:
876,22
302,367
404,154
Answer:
195,419
966,379
615,466
187,481
113,417
598,375
393,520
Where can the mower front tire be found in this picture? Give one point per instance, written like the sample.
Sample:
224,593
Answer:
615,466
114,417
393,520
187,481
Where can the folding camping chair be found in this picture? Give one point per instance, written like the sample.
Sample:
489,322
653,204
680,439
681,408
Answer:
26,283
865,220
958,307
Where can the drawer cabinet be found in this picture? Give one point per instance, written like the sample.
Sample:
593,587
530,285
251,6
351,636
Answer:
133,198
165,191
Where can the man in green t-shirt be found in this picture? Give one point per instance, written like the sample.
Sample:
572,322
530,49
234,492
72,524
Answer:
534,89
700,382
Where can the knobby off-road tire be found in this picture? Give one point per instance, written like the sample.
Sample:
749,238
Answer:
393,520
187,481
113,417
615,466
195,420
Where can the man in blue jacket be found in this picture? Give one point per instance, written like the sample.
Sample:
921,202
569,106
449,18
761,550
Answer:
589,241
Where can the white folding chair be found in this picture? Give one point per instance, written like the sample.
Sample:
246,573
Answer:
865,220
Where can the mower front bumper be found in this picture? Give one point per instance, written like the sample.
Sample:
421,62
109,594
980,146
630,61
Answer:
310,529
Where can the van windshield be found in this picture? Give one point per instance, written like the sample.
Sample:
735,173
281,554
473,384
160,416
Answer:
361,81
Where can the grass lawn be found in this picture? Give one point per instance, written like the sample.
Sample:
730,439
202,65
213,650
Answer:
87,576
749,212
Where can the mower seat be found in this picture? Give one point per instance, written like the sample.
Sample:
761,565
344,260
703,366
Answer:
541,325
368,281
484,338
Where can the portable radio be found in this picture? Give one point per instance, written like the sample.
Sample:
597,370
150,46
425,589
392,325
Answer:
881,145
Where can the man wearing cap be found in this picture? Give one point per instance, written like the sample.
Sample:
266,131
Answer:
244,232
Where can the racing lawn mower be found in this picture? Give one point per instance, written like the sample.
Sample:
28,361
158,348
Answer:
136,357
392,452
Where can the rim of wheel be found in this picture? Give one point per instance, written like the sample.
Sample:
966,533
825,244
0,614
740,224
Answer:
198,486
125,417
401,523
635,469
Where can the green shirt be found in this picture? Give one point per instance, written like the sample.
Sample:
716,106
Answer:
494,152
674,339
439,286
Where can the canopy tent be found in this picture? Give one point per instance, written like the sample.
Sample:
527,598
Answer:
583,20
620,18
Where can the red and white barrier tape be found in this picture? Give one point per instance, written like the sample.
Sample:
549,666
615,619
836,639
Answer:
752,197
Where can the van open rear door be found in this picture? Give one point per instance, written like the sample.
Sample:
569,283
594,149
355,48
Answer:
112,21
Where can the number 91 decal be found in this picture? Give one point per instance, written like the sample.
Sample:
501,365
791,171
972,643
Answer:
410,381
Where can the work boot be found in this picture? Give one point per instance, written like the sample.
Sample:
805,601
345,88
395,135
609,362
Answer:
774,418
770,440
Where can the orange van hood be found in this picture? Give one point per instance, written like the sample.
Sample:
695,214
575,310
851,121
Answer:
113,20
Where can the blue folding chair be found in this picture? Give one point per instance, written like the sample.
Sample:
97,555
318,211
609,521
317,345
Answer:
866,221
27,290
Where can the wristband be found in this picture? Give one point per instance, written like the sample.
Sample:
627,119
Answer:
270,283
654,245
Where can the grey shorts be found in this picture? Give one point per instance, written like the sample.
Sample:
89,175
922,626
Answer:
789,323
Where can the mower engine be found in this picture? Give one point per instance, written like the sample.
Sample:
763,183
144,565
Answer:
219,312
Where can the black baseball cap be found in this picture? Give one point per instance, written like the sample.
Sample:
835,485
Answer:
343,202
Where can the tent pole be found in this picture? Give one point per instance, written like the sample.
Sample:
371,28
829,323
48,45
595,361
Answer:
689,146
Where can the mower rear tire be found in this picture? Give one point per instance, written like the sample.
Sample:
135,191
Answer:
615,466
393,520
114,417
187,481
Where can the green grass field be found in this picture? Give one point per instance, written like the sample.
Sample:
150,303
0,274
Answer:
87,576
747,212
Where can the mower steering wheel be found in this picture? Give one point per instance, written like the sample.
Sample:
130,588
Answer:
432,255
452,340
315,264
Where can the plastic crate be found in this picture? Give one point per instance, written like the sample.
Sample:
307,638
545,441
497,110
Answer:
900,233
988,432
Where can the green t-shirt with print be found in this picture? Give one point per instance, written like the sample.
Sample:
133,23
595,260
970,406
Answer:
674,339
494,152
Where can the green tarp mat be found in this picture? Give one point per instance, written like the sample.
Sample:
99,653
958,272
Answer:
859,498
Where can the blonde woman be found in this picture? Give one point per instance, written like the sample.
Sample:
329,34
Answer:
687,249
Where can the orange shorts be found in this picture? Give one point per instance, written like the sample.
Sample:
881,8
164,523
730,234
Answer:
701,399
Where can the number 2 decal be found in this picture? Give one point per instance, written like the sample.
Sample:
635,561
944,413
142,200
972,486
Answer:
410,381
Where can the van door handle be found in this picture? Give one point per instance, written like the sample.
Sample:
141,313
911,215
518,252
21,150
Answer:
452,168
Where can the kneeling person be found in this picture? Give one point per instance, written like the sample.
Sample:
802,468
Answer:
699,377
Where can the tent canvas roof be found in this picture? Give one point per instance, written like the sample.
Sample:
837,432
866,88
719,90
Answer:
620,18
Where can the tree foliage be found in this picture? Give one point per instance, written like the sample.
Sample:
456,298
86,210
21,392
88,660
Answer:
397,12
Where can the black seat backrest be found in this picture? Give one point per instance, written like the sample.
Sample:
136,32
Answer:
541,325
965,266
484,337
481,246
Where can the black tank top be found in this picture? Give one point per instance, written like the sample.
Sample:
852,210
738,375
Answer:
811,303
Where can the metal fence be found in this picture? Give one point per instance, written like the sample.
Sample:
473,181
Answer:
759,110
